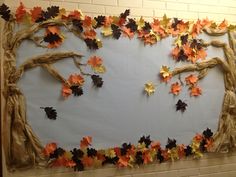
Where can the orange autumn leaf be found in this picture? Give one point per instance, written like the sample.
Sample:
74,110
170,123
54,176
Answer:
191,79
206,23
155,145
166,79
87,161
175,52
70,163
108,21
66,91
209,144
35,13
128,33
188,50
87,22
49,148
198,137
20,13
76,79
147,157
123,161
175,88
90,34
223,25
201,54
75,15
149,39
94,61
59,162
197,27
53,29
195,91
85,142
181,152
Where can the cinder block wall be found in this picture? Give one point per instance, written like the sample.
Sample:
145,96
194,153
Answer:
212,165
185,9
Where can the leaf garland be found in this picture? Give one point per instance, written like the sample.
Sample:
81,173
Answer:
127,155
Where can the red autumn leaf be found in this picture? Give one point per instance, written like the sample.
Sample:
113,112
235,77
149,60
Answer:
223,25
175,88
49,148
191,79
87,22
59,162
94,61
20,13
195,91
90,34
36,13
87,161
66,91
209,144
85,142
127,32
76,79
149,39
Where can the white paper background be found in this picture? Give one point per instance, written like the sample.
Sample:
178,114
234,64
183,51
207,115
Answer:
119,111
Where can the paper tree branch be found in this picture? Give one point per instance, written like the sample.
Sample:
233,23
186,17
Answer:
225,136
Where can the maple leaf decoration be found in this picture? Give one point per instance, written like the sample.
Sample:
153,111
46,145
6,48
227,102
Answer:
50,112
100,21
191,79
5,12
85,142
149,88
53,37
97,80
36,13
78,25
146,140
49,149
181,105
76,90
207,133
116,31
171,143
51,12
175,88
20,13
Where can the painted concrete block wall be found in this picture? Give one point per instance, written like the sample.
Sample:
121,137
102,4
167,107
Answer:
217,10
212,165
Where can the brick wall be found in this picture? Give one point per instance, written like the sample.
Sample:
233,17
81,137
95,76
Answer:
186,9
212,165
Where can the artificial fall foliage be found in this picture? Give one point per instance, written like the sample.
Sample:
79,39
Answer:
187,48
51,113
127,155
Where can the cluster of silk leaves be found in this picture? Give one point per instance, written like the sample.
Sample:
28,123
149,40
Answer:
21,145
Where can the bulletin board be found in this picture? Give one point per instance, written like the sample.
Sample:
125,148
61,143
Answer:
83,92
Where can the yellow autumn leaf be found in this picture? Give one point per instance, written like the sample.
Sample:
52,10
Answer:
165,71
110,153
140,23
99,43
106,31
68,154
149,88
100,69
165,21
